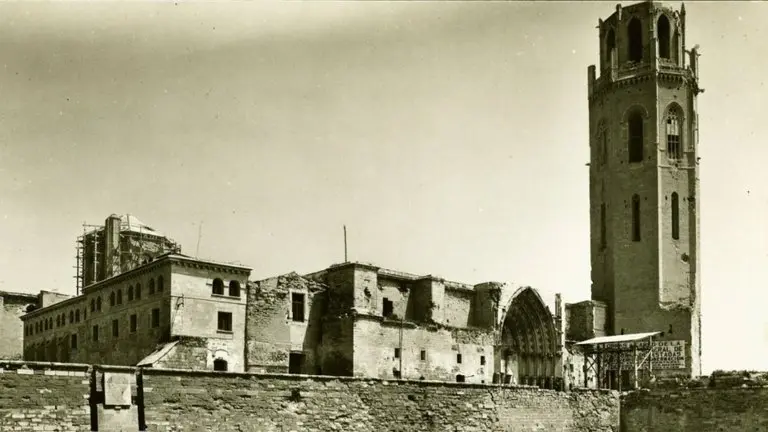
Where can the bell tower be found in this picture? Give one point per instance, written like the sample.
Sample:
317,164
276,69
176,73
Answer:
644,182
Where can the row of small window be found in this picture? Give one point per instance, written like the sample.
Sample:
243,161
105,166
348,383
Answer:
423,357
116,297
48,323
675,220
218,287
637,137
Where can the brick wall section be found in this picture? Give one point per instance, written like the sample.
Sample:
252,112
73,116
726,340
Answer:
178,401
33,399
696,410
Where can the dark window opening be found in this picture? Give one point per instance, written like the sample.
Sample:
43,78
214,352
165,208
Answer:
388,308
423,355
603,228
234,288
138,291
635,137
603,156
297,307
458,358
151,287
112,298
95,333
482,360
220,365
93,305
130,293
295,363
155,318
218,286
115,328
77,316
134,323
635,218
225,321
397,353
610,46
635,38
663,35
160,284
675,216
119,297
98,304
396,373
459,378
674,146
73,341
71,317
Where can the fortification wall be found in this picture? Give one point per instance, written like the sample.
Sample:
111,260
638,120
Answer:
43,397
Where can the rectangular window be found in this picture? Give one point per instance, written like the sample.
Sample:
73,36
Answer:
482,360
423,355
675,216
636,218
388,308
225,322
297,307
134,323
115,328
155,318
674,149
458,358
295,362
73,341
397,353
95,333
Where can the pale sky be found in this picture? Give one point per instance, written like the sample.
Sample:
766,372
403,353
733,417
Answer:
451,138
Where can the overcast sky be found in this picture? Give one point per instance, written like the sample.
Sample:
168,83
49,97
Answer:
450,138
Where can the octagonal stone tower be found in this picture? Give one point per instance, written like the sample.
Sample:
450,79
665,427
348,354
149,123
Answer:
644,181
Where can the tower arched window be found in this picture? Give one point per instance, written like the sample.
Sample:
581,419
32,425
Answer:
610,46
663,29
674,143
675,216
636,138
635,217
635,40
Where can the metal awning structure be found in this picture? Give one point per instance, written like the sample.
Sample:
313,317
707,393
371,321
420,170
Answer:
614,358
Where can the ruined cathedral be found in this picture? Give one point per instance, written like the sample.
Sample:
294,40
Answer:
145,303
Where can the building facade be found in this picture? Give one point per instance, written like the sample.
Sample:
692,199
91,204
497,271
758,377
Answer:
170,311
356,319
12,306
644,181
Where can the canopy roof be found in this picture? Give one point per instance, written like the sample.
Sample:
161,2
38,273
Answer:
617,339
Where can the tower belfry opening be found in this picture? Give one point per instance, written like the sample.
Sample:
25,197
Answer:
644,211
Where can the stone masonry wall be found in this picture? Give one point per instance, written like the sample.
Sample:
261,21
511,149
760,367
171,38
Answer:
178,401
33,399
734,409
12,306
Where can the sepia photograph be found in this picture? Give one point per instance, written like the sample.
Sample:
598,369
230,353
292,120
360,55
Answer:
445,216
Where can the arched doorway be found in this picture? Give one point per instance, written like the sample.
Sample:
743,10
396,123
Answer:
220,365
529,351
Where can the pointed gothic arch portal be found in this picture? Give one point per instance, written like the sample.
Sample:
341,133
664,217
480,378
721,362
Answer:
529,347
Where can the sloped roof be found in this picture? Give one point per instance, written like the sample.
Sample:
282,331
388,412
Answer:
158,354
618,338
